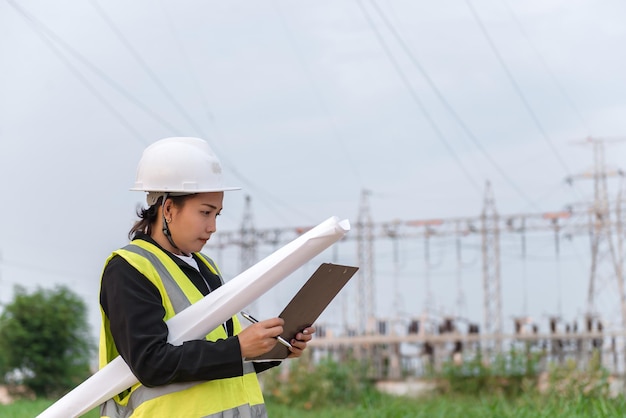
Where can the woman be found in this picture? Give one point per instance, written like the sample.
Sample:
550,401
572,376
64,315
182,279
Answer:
160,273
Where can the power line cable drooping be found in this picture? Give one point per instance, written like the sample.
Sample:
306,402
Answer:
263,195
449,107
47,36
517,88
416,99
546,67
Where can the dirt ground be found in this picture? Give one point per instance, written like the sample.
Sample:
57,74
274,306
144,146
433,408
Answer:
5,399
6,395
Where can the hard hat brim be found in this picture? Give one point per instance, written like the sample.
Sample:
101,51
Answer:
186,191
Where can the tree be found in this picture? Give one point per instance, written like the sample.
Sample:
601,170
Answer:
44,341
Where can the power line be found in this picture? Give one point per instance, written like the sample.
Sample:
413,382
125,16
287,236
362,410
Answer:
211,118
192,74
39,27
320,101
45,34
516,86
263,194
161,86
549,193
545,65
447,105
416,98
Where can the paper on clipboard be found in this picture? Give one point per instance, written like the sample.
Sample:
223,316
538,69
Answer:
308,304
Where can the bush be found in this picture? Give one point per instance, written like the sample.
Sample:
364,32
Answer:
509,374
591,381
307,385
44,341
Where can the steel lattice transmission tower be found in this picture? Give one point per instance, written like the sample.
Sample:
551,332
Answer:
605,233
492,292
365,306
248,241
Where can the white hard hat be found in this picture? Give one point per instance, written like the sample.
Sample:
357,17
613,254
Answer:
178,166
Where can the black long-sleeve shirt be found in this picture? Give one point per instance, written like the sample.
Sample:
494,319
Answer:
135,311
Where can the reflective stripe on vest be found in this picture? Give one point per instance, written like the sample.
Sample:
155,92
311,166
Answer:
231,397
193,399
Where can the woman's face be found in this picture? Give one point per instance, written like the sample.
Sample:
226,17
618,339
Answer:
193,223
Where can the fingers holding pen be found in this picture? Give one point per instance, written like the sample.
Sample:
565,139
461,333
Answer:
259,338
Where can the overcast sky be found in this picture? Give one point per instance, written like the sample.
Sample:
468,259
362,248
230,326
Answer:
308,103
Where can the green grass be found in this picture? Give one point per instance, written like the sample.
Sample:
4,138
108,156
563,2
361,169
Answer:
384,406
30,409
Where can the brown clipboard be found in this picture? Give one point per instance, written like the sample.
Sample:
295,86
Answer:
309,303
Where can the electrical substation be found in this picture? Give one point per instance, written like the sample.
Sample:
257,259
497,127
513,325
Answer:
410,340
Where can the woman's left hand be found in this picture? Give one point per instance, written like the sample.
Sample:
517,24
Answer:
298,343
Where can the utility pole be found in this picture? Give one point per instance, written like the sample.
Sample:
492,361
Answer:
248,242
492,294
620,253
391,231
602,229
429,230
365,307
461,304
554,219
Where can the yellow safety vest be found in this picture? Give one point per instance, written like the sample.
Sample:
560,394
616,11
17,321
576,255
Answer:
231,397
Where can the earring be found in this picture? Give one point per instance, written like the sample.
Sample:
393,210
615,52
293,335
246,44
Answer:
169,220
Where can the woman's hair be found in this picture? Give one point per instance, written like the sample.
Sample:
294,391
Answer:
148,216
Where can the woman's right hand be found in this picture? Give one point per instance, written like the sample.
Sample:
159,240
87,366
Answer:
259,338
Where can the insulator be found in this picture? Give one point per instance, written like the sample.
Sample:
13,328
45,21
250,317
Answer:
382,327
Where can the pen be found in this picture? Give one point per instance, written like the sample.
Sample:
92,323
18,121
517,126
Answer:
254,321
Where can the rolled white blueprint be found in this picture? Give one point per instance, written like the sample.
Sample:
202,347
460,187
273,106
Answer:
200,318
